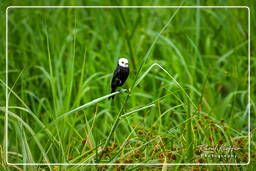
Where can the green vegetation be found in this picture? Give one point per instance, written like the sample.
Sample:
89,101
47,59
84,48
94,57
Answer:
188,86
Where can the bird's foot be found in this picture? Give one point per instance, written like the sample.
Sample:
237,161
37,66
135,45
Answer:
129,91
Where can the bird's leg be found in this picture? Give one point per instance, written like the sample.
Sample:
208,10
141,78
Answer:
128,90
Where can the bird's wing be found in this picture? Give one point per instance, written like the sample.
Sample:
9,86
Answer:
115,73
115,80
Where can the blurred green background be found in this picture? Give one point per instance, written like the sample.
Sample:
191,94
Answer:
60,59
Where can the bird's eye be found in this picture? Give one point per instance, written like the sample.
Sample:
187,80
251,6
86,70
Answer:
122,62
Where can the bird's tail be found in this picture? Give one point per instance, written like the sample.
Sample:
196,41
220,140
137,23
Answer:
112,97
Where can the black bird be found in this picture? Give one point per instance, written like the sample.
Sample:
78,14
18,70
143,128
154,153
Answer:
120,75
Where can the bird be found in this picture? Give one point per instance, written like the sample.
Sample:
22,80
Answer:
120,75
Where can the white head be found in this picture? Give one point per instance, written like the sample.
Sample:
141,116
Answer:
123,62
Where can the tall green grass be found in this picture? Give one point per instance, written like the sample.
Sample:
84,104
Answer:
187,85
